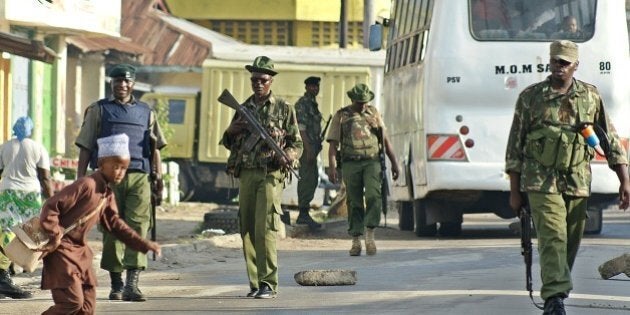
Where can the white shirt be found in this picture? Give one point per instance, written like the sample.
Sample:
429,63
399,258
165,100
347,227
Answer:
19,162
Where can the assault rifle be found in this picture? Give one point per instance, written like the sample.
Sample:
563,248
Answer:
323,135
156,198
526,249
258,132
318,143
381,155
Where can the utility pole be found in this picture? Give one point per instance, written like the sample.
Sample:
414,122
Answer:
368,19
343,25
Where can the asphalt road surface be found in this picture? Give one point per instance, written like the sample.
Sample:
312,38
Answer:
481,272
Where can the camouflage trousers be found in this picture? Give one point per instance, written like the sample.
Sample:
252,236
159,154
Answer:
559,221
259,218
133,198
363,191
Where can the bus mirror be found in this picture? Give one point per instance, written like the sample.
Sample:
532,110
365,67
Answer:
376,37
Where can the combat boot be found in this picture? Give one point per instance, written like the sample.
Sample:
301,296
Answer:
8,288
116,293
355,250
131,291
285,217
305,218
370,245
554,306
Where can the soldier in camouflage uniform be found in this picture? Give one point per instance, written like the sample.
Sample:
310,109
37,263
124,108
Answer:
353,132
548,159
262,176
309,120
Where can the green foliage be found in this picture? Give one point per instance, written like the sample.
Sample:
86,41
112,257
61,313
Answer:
161,109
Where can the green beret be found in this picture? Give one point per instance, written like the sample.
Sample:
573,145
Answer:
123,71
360,93
262,64
312,80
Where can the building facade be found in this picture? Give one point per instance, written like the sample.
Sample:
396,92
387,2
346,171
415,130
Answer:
304,23
34,67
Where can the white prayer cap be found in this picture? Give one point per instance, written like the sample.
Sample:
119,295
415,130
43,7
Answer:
116,145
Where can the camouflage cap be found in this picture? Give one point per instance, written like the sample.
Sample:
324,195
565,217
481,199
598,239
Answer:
312,80
360,93
123,71
564,49
262,64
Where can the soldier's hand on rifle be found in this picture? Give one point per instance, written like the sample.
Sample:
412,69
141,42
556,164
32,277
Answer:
287,163
516,202
237,126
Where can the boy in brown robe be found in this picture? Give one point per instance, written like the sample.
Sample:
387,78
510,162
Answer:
67,258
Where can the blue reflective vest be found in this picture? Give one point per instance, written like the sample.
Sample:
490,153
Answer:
132,120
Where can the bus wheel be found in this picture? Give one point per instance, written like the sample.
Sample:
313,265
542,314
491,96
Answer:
594,221
420,214
405,215
450,228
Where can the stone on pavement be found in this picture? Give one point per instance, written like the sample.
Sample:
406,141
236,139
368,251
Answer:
615,266
326,277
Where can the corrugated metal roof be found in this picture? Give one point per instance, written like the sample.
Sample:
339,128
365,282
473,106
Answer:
167,45
156,42
93,44
26,47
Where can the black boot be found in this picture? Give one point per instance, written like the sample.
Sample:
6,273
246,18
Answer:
286,219
554,306
117,286
305,218
131,291
8,288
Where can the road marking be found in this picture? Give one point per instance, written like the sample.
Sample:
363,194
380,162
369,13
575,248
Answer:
572,296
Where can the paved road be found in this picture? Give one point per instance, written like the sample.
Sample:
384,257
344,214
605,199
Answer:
479,273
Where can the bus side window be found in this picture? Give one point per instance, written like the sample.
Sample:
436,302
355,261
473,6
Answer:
489,15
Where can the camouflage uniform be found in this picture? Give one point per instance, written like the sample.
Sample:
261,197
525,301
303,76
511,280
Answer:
261,183
553,160
360,165
309,120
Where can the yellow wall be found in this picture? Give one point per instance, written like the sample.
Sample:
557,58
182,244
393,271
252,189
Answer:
5,99
292,10
304,23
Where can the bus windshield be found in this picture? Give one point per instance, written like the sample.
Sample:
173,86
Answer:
532,20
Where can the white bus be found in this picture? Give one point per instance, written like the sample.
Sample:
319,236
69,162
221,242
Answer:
453,72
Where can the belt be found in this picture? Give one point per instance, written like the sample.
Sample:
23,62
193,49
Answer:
136,171
358,158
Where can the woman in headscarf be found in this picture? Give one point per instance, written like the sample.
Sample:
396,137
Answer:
25,171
